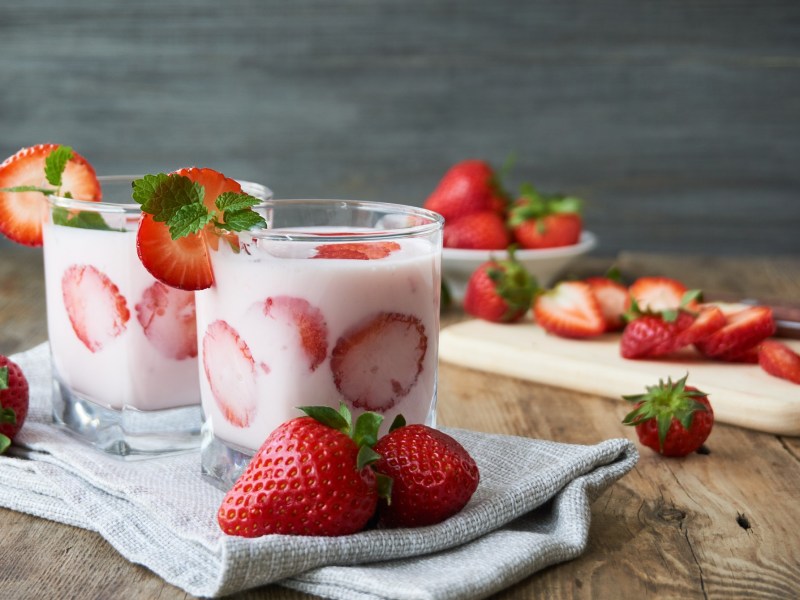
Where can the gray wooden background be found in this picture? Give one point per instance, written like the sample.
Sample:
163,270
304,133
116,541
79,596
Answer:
678,121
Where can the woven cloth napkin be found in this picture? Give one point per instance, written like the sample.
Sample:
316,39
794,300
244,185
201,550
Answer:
531,510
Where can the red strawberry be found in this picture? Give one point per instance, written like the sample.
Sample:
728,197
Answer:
656,294
545,221
777,359
22,213
13,401
231,373
569,310
652,335
612,297
433,476
377,362
309,322
167,316
477,231
707,321
469,186
673,419
357,250
183,263
743,330
500,291
306,479
96,309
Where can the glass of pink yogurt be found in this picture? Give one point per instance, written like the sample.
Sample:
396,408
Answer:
123,345
335,301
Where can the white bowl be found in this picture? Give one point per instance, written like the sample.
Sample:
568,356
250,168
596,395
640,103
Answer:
545,264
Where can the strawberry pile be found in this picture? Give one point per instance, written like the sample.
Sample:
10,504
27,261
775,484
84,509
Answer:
480,215
322,474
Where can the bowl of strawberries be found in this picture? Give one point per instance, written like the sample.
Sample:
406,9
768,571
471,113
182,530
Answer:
482,221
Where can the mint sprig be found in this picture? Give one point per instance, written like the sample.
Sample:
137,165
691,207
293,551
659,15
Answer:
177,201
54,166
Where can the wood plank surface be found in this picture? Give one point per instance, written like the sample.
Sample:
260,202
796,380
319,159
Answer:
677,120
721,523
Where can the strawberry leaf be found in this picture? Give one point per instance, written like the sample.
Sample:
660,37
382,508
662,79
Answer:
365,432
8,416
384,485
5,442
366,456
55,163
3,378
327,416
399,421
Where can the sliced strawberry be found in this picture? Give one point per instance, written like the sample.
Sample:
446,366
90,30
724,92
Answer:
569,310
167,316
96,309
231,373
377,363
708,320
309,322
357,250
748,356
651,335
183,263
22,213
777,359
656,294
743,330
612,297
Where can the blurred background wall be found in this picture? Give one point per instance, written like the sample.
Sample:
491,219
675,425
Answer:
677,121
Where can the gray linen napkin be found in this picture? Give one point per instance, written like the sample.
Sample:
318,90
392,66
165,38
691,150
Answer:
531,510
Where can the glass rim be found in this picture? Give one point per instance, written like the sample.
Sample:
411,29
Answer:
129,207
434,222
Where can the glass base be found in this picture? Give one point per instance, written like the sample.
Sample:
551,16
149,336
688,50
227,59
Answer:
127,433
221,463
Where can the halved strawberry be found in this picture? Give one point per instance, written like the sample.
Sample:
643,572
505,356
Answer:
309,322
96,309
777,359
743,330
357,250
612,297
651,335
377,362
167,316
656,294
231,373
569,310
22,213
183,263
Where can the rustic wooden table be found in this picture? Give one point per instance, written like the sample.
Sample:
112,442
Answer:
718,524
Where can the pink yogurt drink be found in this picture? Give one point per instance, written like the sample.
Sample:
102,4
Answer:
123,345
337,301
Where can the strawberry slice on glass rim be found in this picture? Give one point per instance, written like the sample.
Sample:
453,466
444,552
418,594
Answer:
27,177
181,221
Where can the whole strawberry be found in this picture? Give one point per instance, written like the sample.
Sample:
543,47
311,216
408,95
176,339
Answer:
500,291
485,230
671,418
540,221
13,401
468,187
310,477
433,475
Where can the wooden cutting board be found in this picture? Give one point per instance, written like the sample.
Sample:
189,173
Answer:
740,394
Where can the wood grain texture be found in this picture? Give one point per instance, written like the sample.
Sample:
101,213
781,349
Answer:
676,120
717,524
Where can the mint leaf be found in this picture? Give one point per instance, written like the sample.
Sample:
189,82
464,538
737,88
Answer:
234,201
189,218
55,163
242,220
163,195
85,219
